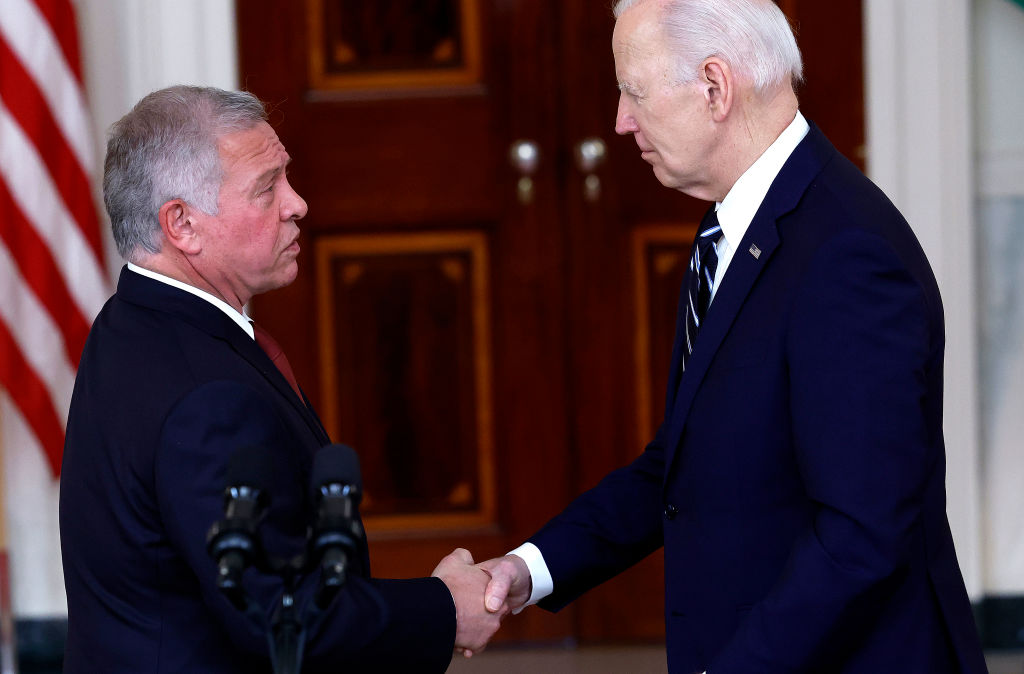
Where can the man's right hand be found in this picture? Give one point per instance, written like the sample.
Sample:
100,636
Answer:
467,583
510,583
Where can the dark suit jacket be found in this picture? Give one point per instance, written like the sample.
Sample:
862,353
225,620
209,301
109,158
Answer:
168,389
797,481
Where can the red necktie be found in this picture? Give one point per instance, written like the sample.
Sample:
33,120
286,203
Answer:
276,355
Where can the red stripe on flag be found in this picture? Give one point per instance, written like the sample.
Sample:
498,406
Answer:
38,265
32,397
40,270
23,99
60,14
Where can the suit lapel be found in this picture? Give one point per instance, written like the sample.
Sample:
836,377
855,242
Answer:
736,285
752,256
248,349
204,316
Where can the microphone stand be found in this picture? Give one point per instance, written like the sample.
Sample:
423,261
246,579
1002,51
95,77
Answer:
289,623
287,633
235,543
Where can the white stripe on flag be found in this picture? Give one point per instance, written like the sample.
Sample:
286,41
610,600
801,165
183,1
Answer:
33,190
36,335
32,497
32,41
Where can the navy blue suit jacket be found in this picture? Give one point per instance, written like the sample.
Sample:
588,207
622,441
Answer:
797,481
167,390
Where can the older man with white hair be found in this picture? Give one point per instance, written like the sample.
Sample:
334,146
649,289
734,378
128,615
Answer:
797,481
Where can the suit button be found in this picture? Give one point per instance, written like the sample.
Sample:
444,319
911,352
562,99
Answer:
671,511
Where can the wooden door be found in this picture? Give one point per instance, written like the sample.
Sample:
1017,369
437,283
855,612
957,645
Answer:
492,339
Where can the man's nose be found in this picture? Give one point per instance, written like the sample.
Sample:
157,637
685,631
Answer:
293,207
624,120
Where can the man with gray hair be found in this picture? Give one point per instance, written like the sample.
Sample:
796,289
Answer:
175,383
797,481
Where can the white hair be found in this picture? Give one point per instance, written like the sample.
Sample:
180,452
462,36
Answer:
166,148
753,36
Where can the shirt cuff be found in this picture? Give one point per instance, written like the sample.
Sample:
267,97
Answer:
539,574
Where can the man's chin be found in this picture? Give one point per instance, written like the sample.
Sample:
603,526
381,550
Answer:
287,276
664,177
290,277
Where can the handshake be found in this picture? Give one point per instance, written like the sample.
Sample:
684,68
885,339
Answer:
484,594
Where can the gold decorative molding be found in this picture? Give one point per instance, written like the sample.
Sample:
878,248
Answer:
641,239
447,245
467,72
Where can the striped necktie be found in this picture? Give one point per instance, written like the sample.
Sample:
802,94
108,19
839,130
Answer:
703,266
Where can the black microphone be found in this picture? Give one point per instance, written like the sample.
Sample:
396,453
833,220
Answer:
336,487
232,541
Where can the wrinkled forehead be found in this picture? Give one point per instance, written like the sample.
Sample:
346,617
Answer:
256,147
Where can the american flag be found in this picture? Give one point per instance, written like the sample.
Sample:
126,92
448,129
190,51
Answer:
52,276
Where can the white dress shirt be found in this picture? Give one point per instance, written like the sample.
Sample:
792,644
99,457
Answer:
735,214
232,313
737,210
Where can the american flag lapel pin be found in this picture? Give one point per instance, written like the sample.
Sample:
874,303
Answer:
755,251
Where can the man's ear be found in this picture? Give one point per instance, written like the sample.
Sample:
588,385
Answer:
719,87
178,224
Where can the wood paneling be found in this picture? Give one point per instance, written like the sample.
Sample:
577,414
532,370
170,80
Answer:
661,253
393,44
830,37
406,351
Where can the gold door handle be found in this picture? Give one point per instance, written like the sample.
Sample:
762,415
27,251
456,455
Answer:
524,156
591,153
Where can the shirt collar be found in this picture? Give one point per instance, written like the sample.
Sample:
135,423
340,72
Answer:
736,211
238,317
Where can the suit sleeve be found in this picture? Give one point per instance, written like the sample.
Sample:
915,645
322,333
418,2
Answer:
372,625
861,343
617,523
605,530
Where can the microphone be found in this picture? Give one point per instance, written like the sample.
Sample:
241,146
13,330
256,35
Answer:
232,542
336,488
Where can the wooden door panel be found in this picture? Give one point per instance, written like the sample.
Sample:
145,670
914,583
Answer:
362,45
406,353
402,163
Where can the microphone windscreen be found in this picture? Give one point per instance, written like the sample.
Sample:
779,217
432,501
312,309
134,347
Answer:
336,464
251,466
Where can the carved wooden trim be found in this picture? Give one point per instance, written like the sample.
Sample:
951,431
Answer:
641,238
469,74
475,245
